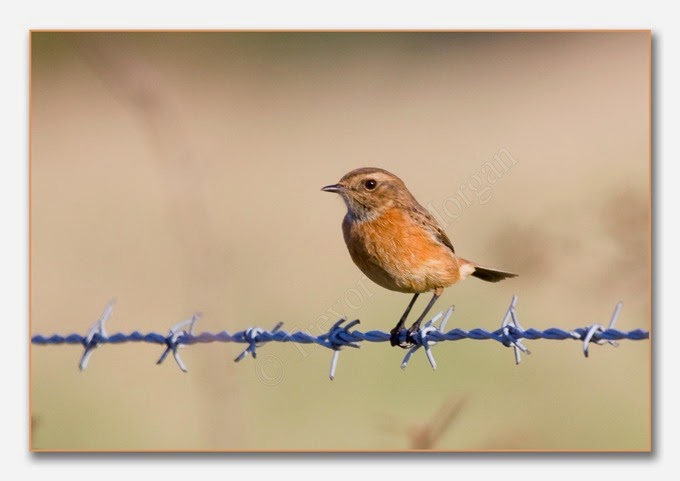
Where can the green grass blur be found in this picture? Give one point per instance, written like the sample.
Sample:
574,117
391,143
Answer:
180,172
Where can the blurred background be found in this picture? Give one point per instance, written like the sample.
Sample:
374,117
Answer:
181,172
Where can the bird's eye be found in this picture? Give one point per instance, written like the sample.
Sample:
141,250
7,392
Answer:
370,184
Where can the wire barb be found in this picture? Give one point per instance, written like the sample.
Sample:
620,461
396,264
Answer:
337,337
252,336
172,341
95,334
512,330
340,335
422,338
593,332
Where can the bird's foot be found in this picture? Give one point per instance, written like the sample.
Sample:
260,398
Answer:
413,331
395,338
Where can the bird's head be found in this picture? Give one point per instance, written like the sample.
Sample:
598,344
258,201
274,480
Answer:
369,192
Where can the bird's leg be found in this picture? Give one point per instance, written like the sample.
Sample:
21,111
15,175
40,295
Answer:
416,325
394,333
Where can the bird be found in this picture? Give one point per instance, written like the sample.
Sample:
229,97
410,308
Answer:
398,244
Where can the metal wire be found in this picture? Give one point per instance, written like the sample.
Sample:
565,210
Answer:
510,334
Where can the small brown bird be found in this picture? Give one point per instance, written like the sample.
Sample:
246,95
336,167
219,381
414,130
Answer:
398,244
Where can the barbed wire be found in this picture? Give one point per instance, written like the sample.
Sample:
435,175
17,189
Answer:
339,336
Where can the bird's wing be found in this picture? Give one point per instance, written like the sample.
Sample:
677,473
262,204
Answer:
425,219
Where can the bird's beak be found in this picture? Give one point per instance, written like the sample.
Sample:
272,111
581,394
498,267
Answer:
337,188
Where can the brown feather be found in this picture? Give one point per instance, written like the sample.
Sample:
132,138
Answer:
395,241
491,275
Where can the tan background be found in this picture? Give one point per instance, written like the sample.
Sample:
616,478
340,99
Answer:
181,172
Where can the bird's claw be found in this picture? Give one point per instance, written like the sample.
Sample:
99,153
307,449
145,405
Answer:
395,338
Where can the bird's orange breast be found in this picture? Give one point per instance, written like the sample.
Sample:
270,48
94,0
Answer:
398,253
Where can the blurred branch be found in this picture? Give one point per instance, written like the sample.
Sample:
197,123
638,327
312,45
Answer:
137,83
426,434
142,85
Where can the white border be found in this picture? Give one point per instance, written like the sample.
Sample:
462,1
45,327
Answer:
18,18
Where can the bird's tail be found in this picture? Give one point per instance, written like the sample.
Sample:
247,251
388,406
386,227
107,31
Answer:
486,274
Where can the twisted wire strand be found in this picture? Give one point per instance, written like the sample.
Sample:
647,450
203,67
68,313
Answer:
340,335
